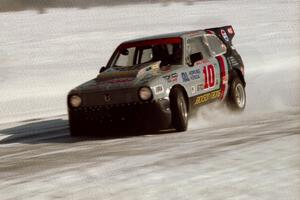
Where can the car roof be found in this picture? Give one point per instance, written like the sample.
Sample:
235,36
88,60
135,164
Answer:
160,36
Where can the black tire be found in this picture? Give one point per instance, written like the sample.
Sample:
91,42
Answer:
236,99
179,110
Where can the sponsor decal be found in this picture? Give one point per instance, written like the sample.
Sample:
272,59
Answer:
208,96
225,36
194,74
159,89
230,30
200,87
191,75
171,77
233,61
193,89
185,77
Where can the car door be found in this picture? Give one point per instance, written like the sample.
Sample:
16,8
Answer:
218,50
206,66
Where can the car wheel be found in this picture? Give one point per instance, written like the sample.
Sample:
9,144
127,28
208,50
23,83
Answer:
236,99
179,110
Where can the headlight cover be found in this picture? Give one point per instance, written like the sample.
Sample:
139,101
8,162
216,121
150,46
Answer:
75,101
145,93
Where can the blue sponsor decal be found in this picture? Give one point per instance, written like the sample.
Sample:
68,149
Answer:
194,74
185,77
225,36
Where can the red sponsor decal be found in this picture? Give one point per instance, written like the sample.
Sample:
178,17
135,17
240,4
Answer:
230,30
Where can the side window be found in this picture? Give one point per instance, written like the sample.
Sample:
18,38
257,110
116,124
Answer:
146,55
126,58
196,45
196,50
217,47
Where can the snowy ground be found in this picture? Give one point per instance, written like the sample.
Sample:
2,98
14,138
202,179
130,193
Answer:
254,155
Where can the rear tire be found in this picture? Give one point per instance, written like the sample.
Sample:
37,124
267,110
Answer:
179,110
236,99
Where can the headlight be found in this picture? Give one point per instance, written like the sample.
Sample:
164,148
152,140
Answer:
75,101
145,93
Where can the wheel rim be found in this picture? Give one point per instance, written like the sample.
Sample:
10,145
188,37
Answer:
240,95
183,109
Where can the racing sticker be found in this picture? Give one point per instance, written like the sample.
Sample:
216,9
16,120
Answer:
208,96
224,34
171,77
185,77
159,89
191,75
230,30
200,87
193,89
194,74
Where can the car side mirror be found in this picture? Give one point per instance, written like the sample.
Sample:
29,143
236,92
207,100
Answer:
102,69
194,58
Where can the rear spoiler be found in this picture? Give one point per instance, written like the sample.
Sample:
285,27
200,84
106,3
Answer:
225,33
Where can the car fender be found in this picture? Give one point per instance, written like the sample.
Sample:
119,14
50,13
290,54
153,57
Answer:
183,89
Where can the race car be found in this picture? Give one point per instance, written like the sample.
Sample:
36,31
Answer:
154,83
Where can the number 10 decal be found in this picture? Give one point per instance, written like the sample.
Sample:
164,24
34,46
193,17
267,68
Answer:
209,76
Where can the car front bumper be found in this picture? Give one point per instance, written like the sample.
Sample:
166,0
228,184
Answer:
138,116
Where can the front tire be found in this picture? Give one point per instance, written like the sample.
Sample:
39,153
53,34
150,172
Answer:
236,99
179,110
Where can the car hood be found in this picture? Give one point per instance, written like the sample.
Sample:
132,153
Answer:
112,79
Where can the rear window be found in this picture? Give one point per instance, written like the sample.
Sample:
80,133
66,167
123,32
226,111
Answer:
217,47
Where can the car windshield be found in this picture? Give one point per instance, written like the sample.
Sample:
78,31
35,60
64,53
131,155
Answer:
134,54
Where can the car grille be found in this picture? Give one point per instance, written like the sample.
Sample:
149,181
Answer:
115,113
110,97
